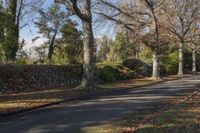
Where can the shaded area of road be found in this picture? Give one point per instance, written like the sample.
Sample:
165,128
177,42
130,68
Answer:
77,116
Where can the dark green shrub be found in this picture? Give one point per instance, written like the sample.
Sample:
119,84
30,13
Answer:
21,61
187,61
112,72
133,63
142,68
170,62
163,69
106,73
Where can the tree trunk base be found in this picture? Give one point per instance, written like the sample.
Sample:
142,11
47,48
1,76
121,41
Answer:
79,87
180,74
194,72
156,78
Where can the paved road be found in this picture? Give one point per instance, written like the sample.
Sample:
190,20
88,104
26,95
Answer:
79,116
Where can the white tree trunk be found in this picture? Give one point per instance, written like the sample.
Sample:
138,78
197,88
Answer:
194,70
88,41
180,69
156,66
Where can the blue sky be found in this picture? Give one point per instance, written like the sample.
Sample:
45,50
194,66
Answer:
29,32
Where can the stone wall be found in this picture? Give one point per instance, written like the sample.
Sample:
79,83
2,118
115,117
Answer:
20,77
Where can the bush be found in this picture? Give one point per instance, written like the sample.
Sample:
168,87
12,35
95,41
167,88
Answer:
113,72
132,63
106,73
142,68
170,62
21,61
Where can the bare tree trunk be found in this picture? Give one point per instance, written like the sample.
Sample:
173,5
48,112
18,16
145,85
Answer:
88,41
156,67
51,47
194,70
180,69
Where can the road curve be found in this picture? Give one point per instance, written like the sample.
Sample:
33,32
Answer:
77,116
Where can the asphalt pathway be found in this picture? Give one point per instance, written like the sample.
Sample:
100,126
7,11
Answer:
78,117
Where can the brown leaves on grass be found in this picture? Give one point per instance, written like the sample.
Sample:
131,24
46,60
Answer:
34,98
185,117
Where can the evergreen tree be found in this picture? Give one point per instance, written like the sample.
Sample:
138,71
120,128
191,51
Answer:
12,33
49,24
2,29
2,23
72,42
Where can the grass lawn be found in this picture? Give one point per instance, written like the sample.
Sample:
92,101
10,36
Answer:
36,97
163,117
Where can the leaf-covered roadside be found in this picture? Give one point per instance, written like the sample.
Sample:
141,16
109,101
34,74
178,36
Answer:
167,116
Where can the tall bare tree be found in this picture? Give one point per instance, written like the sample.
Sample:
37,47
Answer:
180,15
193,42
154,9
83,10
137,16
